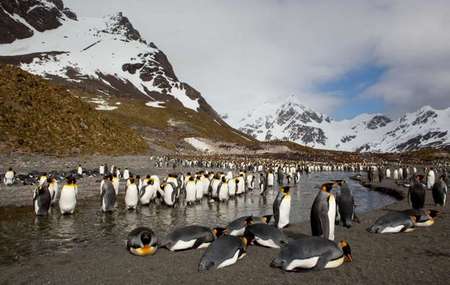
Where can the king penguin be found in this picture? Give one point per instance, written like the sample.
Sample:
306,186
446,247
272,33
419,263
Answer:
323,212
282,207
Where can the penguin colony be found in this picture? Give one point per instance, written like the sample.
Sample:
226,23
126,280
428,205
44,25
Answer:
226,245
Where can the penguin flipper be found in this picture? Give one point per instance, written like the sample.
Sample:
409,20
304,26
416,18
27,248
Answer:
323,260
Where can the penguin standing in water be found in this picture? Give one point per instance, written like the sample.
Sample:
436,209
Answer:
223,190
190,237
345,205
262,184
430,178
53,188
312,253
68,199
224,251
131,195
215,186
116,183
232,186
108,194
9,177
439,192
241,184
142,241
250,182
198,187
169,194
282,207
148,192
191,191
323,213
205,182
42,200
416,193
270,178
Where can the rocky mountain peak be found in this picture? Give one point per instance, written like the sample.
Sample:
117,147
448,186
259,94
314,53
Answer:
118,24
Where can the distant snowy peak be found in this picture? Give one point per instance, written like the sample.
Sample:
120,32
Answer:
290,120
106,55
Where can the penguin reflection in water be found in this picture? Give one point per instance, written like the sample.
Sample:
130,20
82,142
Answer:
312,253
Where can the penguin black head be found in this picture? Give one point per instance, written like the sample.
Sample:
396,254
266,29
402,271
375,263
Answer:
205,265
146,238
138,177
345,246
266,218
277,262
285,189
131,180
191,178
224,179
326,187
218,231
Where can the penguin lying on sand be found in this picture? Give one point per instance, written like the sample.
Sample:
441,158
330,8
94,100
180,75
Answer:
312,253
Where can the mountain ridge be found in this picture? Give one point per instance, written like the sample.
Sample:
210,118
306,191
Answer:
293,121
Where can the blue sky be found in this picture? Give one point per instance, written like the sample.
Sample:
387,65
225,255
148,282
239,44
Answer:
349,88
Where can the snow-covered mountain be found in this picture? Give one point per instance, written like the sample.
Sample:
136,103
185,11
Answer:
290,120
107,55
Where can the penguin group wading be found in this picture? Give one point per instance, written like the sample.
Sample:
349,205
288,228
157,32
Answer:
223,182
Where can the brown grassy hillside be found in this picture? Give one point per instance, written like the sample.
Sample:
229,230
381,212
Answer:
38,116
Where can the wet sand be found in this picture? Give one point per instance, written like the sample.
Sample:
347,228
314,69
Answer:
420,256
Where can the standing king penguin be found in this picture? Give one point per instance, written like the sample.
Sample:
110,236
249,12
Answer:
282,207
323,212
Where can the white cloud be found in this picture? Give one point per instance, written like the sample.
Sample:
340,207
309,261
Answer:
240,53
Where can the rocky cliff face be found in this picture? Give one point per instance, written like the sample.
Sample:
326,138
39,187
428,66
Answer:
21,19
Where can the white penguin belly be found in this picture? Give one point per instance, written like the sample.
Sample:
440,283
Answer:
181,244
223,193
67,201
306,263
190,192
199,191
168,196
131,197
390,230
285,210
229,261
331,216
266,242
